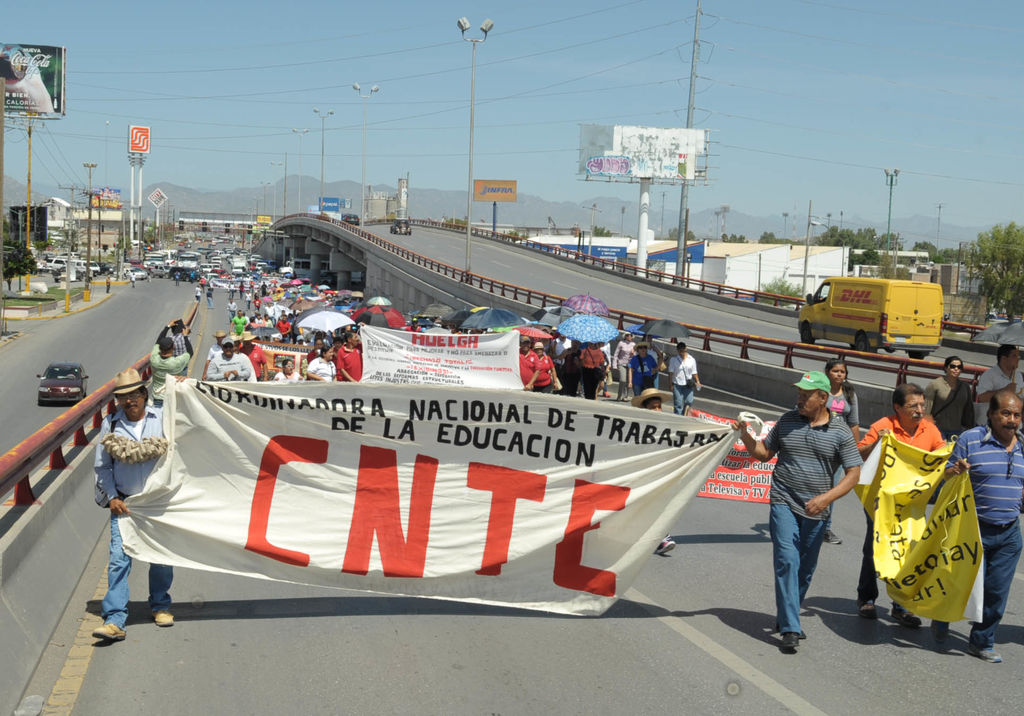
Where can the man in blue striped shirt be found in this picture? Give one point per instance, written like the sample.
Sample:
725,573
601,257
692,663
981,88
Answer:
994,455
811,444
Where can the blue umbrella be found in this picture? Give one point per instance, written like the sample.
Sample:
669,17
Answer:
635,328
586,328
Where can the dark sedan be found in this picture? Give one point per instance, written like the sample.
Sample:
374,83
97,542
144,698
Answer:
62,383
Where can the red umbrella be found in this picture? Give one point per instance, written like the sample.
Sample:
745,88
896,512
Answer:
531,332
393,318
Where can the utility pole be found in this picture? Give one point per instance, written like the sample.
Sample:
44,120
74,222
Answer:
684,210
88,242
938,223
69,231
807,246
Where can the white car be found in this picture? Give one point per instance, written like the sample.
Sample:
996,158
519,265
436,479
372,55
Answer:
139,274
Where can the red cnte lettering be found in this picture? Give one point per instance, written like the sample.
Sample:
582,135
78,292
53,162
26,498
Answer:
280,450
570,572
507,486
376,510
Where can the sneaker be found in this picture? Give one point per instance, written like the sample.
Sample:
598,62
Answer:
832,538
905,618
109,632
163,618
984,654
802,635
790,641
666,546
867,610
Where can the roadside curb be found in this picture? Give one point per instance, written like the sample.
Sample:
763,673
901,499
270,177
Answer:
92,304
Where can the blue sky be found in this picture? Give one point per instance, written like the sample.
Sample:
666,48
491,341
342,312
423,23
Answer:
805,99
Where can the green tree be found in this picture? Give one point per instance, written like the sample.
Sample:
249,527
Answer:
601,231
997,260
782,287
928,246
18,261
734,239
673,235
886,269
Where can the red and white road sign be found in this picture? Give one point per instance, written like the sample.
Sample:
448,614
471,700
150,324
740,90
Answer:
157,198
138,139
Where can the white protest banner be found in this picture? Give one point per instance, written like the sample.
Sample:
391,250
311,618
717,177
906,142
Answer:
484,360
519,499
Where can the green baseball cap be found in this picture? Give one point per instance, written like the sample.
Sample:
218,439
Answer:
814,380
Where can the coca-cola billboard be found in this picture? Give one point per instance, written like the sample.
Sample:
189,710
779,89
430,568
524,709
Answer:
33,79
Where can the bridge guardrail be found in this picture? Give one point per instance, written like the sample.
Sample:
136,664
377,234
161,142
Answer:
701,285
904,368
18,463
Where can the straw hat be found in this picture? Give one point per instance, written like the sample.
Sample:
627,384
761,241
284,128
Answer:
638,401
128,381
247,336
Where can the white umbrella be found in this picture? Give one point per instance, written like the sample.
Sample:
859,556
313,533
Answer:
326,320
437,329
378,301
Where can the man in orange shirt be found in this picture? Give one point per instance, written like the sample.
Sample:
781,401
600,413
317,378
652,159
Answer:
908,425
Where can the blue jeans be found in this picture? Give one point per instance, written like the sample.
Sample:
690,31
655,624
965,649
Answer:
1002,545
796,542
209,301
115,604
682,396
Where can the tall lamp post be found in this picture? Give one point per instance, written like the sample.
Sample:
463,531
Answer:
323,118
265,184
301,133
280,164
485,28
362,184
890,180
88,241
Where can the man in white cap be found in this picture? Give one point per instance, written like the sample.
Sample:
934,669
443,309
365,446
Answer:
229,365
811,444
131,441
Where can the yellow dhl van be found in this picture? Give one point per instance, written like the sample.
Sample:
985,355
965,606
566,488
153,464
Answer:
873,313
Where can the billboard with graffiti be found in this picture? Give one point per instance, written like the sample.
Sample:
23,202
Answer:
628,153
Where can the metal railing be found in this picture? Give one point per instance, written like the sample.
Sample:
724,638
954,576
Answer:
701,285
903,368
48,443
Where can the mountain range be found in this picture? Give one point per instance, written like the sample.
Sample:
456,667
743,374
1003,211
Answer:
616,215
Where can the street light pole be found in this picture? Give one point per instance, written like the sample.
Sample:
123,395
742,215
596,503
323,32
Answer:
890,180
301,133
487,26
88,241
323,118
362,183
280,164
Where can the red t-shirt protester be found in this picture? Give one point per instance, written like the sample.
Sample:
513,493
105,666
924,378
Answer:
543,369
526,359
284,327
349,360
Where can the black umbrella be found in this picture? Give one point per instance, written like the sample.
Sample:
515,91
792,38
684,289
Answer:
457,317
1012,333
492,318
373,319
664,328
552,315
434,310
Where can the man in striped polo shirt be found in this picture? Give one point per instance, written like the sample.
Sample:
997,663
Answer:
994,455
811,444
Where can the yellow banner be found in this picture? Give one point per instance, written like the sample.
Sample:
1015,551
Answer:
929,564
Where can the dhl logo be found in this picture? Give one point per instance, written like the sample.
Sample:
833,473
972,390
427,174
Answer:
850,295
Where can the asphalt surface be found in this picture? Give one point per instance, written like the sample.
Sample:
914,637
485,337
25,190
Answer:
105,339
531,269
693,636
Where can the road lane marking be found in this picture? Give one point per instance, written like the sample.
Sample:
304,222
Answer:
789,699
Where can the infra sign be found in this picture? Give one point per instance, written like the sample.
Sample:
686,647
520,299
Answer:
157,198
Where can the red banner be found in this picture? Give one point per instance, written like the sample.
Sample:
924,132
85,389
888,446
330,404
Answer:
740,476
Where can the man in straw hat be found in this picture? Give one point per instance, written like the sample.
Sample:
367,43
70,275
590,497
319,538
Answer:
811,443
215,349
131,441
653,399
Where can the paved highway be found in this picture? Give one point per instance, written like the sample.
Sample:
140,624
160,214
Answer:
693,636
104,339
527,268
